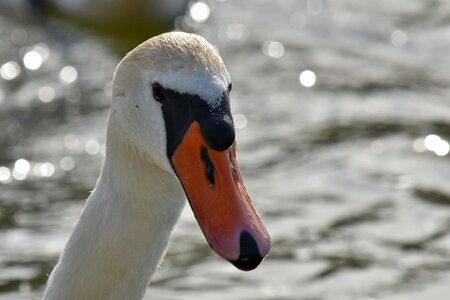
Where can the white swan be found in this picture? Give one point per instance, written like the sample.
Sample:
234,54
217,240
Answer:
170,123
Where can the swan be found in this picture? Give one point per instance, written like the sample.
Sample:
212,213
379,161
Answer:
170,136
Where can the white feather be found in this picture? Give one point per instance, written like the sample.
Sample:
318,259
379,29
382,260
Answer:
199,82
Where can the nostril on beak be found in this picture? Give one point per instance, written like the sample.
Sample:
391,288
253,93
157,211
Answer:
249,256
209,166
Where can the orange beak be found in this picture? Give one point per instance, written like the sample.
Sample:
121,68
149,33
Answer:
221,205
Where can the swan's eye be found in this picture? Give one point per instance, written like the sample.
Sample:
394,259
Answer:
158,92
230,86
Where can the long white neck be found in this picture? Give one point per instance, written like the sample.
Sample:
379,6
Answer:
123,230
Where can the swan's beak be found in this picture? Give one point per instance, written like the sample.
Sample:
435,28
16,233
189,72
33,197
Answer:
217,195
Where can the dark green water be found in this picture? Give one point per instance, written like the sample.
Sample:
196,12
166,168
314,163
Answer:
351,175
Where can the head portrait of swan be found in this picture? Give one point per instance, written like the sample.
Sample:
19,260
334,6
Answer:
170,137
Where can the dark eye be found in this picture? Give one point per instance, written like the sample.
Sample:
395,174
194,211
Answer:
158,92
230,86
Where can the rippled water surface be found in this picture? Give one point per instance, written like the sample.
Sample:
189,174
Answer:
343,129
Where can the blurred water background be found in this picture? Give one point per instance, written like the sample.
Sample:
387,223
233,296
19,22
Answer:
343,123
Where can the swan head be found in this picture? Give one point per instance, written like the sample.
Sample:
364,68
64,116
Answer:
171,103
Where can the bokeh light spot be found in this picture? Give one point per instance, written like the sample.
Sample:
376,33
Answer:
235,31
67,163
46,94
10,70
399,38
46,169
5,175
199,12
68,74
71,141
92,147
419,145
437,145
307,78
240,121
442,149
32,60
22,166
273,49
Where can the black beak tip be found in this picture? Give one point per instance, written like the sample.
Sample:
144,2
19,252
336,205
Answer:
249,257
246,263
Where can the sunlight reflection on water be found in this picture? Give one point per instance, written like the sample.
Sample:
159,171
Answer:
436,144
355,167
5,175
273,49
92,147
32,60
10,70
240,121
68,74
71,141
45,169
307,78
46,94
67,163
22,166
199,11
23,169
399,38
233,32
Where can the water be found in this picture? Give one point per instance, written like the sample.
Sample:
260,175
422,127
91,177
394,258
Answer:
347,163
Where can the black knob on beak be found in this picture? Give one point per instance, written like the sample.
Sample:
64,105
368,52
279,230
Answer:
218,133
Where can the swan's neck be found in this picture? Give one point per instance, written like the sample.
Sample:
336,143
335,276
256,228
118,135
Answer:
122,233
